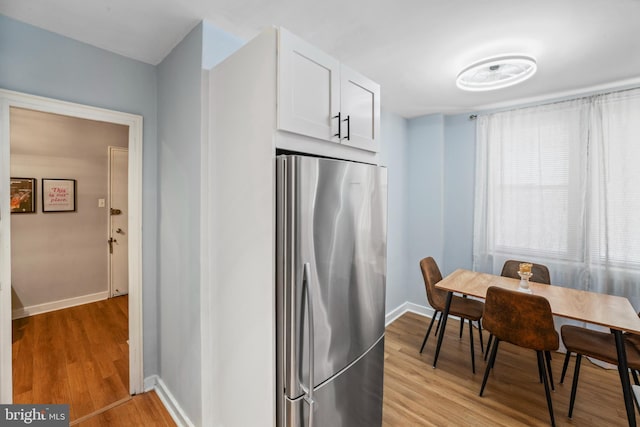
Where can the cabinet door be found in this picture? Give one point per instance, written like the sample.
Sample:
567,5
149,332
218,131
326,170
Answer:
360,103
308,88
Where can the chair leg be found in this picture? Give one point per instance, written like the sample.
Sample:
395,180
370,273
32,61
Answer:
494,349
565,365
473,358
480,333
428,331
439,321
574,386
486,354
634,373
546,387
541,373
548,357
494,357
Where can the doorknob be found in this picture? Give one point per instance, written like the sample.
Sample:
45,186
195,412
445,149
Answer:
119,231
115,211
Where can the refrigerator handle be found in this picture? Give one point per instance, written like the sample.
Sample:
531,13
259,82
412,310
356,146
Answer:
308,397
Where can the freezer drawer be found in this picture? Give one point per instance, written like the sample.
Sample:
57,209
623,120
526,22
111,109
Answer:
352,399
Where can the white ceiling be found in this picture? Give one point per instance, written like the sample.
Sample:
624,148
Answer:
413,48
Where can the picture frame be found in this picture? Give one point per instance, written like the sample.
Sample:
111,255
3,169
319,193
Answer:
23,195
58,195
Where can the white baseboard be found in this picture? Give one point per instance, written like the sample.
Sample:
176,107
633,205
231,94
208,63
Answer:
21,312
155,383
410,307
150,383
405,307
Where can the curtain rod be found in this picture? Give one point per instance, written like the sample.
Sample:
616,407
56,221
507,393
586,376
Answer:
558,101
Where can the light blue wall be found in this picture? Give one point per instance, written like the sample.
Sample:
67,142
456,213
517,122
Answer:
179,140
425,194
441,195
42,63
179,135
217,45
459,181
394,155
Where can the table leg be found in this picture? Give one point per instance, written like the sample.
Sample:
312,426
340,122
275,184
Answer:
623,370
443,324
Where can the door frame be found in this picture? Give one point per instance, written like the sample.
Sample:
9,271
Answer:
10,99
110,150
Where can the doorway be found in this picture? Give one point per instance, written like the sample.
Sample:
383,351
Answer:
10,100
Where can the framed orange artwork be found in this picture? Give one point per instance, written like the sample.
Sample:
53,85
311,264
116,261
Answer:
23,195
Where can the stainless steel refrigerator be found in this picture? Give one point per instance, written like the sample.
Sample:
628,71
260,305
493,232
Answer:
331,274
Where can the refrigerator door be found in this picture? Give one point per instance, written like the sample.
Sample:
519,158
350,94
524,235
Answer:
352,399
333,220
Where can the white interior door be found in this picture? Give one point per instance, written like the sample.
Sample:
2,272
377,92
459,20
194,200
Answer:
118,221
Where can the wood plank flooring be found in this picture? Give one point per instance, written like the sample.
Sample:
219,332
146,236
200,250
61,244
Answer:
141,410
78,356
415,394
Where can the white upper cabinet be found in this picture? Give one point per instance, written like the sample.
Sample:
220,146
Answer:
320,98
308,88
360,110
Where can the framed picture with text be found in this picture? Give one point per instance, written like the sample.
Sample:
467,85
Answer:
23,195
58,195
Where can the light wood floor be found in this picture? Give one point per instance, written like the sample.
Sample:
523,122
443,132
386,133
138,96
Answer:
415,394
142,410
78,356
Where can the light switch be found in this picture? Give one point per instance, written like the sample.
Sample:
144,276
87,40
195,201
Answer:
101,203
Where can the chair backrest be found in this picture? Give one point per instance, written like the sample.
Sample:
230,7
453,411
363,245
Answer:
539,272
431,275
520,318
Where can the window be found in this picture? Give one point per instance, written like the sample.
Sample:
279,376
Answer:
560,184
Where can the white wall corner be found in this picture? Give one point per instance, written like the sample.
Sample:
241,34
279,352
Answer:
155,383
150,383
207,309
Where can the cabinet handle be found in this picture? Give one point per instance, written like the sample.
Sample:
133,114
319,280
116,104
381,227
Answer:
348,137
339,117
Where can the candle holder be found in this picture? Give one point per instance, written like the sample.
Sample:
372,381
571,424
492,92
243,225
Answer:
524,281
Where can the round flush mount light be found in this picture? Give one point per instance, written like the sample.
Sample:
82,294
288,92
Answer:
496,73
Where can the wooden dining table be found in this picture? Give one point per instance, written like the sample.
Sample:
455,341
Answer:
613,312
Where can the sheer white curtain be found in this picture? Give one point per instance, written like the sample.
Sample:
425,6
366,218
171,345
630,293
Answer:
612,257
559,185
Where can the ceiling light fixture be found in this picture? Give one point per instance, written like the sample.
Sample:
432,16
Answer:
496,73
